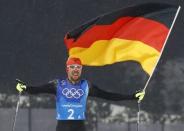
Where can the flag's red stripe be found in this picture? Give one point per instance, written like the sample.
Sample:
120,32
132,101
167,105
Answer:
141,29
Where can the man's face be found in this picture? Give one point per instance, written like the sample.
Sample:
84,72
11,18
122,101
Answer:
74,72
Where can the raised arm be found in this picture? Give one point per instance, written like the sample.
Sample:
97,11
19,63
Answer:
95,91
49,88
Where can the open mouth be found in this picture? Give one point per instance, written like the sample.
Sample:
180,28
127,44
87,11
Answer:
76,73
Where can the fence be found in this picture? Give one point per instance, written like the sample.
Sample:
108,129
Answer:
44,120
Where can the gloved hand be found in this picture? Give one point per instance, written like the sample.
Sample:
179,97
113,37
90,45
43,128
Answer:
140,95
20,87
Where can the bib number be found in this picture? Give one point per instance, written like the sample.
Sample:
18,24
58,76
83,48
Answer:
71,112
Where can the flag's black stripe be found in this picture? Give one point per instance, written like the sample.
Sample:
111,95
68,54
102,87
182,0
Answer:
163,13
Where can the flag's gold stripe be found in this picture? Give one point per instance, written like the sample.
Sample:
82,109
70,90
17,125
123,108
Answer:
104,52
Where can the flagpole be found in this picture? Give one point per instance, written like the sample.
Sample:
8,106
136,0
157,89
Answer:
176,15
139,102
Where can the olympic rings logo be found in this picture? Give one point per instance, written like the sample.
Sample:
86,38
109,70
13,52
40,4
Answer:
72,93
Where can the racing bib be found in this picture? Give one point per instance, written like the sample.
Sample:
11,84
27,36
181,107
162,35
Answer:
71,100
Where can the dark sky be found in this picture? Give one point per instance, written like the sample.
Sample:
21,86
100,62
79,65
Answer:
31,35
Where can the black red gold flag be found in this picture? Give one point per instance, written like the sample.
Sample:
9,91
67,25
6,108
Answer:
135,33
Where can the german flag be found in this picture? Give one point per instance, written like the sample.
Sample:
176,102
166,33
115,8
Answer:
136,33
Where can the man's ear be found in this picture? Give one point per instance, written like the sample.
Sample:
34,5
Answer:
67,69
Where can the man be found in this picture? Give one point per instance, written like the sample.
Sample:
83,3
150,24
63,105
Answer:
71,96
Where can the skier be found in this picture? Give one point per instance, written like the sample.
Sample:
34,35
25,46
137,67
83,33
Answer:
71,96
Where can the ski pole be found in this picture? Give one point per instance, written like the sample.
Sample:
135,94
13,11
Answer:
16,112
138,114
17,106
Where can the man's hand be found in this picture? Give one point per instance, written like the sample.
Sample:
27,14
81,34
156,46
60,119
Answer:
140,95
20,87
